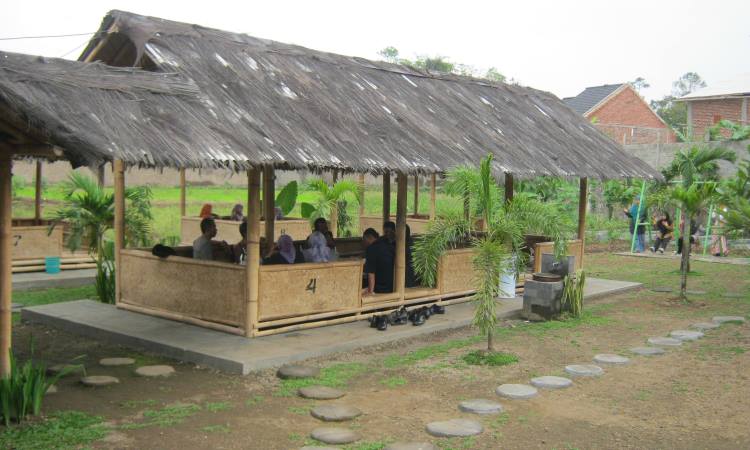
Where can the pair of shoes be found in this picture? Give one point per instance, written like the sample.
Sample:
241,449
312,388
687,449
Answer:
661,250
399,317
381,323
418,319
437,309
652,249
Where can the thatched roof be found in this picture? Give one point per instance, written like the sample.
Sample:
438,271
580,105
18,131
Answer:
300,108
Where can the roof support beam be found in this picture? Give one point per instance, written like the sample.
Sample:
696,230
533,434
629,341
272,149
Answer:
335,208
38,192
118,172
400,278
386,197
269,213
5,263
582,205
433,197
253,250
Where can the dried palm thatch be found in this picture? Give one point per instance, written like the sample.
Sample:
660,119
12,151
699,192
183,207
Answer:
262,102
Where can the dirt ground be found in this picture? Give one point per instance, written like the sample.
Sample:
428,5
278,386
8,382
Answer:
694,396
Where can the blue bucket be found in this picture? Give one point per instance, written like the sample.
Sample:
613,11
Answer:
52,264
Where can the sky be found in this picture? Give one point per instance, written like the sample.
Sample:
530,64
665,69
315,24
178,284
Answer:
557,46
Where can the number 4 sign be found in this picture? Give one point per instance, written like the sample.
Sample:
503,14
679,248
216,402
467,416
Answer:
311,285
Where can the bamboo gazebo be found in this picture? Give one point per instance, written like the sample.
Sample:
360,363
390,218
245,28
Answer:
210,98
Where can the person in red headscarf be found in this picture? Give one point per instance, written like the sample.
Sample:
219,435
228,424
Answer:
207,212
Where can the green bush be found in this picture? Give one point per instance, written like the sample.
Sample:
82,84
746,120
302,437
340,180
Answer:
105,273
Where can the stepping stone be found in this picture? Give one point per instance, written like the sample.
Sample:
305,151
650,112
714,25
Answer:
725,319
703,326
608,358
111,362
686,335
410,446
516,391
334,436
295,371
688,292
732,295
480,406
647,351
335,413
666,341
52,389
551,382
584,370
661,289
320,393
315,447
57,368
154,371
454,428
99,380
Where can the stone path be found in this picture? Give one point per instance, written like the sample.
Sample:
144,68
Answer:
686,335
154,371
320,393
725,319
454,428
551,382
703,326
516,391
584,370
647,351
665,341
334,435
480,406
608,358
335,413
410,446
99,380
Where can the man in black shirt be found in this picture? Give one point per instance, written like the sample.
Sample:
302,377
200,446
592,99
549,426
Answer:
379,258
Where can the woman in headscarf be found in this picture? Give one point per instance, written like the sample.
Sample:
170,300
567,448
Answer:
237,213
284,252
318,250
207,212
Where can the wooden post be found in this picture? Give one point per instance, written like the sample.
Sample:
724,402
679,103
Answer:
118,169
400,277
361,200
100,175
582,204
253,250
335,208
416,194
508,187
433,197
38,193
386,197
6,266
269,203
183,193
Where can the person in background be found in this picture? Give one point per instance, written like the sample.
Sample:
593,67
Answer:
379,258
411,279
331,243
321,226
207,212
203,246
239,250
664,232
284,252
389,232
635,224
237,213
369,236
317,250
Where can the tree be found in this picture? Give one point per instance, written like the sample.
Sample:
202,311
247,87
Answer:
640,83
689,82
440,64
674,113
496,246
493,74
618,194
90,212
390,54
694,191
327,197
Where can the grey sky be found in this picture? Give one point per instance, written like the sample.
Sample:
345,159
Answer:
557,46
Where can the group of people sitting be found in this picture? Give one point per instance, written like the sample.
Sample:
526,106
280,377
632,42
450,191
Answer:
236,214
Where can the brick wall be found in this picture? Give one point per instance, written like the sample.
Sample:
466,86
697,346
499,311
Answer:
627,119
705,113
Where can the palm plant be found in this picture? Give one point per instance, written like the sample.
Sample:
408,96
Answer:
90,213
329,196
497,247
696,168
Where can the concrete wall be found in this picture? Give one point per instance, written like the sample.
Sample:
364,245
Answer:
659,156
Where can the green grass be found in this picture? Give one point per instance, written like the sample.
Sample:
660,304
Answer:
254,401
483,358
218,406
164,417
336,375
393,382
375,445
428,352
138,403
216,428
61,431
52,295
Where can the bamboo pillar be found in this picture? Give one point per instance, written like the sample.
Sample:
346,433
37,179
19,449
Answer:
433,197
38,193
335,208
269,202
118,169
386,197
582,204
416,194
6,266
100,175
253,250
361,200
400,277
183,193
508,187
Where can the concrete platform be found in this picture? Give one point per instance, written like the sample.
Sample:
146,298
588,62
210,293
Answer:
693,257
236,354
43,280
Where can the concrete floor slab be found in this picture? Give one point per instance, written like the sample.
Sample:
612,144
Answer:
236,354
693,257
43,280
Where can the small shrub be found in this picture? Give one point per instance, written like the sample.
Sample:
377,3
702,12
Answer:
572,297
485,358
105,274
